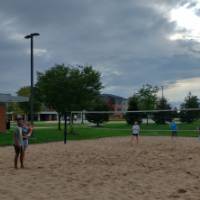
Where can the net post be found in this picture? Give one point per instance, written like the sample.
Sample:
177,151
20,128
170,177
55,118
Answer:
65,128
71,122
82,121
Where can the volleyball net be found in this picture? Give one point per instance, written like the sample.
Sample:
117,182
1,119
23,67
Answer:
152,122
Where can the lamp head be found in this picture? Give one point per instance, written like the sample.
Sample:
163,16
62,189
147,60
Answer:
31,35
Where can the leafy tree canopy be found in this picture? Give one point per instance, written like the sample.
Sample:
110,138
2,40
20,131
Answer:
25,106
67,88
98,105
147,97
163,117
189,102
133,105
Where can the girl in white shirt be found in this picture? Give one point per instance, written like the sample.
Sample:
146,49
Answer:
135,132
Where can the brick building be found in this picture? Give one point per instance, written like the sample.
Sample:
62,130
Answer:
117,104
4,99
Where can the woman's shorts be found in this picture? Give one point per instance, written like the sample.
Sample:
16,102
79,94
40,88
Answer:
25,143
174,133
18,149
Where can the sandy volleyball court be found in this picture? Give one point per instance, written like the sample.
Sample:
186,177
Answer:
104,169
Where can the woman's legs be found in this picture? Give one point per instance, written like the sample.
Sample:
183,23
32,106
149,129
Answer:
17,152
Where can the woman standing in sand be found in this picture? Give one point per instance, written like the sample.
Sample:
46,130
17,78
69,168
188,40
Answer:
135,132
18,144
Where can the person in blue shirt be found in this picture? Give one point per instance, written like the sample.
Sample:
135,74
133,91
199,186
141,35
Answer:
173,128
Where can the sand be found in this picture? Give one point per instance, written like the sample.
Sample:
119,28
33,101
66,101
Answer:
104,169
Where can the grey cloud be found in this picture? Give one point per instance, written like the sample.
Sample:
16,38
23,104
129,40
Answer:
126,41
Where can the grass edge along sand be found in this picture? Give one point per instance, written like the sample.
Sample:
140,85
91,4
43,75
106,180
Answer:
44,132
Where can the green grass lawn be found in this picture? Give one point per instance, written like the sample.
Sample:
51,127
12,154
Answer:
48,132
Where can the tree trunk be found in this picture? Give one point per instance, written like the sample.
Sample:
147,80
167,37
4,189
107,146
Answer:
65,128
72,119
72,124
82,121
59,122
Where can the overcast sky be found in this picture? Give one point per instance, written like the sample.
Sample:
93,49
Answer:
131,42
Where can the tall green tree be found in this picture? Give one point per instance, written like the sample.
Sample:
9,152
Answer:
147,98
25,106
68,88
14,108
189,116
133,105
163,117
98,118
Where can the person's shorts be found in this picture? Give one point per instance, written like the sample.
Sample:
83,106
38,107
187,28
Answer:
25,143
18,149
135,134
174,133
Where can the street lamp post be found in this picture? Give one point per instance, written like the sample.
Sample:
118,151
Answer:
31,36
